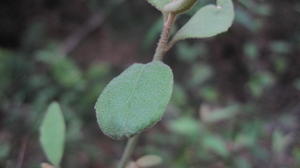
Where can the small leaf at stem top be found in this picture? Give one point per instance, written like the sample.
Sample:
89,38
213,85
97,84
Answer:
208,21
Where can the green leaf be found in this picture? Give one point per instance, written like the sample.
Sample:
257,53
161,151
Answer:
280,141
215,144
211,116
135,100
186,126
52,134
208,21
159,4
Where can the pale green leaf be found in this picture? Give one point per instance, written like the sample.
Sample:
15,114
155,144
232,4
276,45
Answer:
280,141
215,144
226,113
186,126
135,100
159,4
52,134
208,21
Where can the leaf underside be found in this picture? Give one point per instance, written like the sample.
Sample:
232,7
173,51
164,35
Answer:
134,100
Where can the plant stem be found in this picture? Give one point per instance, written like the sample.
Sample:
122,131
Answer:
128,151
164,37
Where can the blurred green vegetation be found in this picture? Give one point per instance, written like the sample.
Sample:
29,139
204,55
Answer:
235,102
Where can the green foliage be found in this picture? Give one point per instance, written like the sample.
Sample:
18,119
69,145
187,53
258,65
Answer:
280,142
219,114
63,69
5,60
208,21
251,50
179,96
241,162
215,144
186,126
209,93
52,134
4,150
260,81
135,100
189,53
256,65
280,47
200,74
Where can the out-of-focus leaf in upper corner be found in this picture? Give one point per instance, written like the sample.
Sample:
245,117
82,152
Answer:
246,20
208,21
63,69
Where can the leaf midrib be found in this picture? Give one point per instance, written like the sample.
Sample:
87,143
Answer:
132,93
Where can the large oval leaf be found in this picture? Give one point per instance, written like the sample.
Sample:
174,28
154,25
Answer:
208,21
52,134
134,100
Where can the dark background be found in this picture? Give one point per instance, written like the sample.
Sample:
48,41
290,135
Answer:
235,102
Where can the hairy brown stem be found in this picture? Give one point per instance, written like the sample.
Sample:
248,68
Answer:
164,38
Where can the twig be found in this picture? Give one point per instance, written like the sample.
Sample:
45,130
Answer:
74,39
163,41
95,21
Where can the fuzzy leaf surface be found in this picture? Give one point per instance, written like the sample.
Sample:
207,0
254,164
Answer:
134,100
